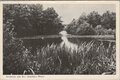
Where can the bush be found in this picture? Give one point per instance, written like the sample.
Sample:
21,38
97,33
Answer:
102,31
13,51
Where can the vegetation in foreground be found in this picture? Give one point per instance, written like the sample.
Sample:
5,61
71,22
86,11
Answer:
88,58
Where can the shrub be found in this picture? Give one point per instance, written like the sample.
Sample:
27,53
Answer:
13,51
102,31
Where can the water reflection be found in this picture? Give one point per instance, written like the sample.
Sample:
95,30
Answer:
62,41
41,42
66,43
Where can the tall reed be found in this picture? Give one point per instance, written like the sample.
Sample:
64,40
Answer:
88,58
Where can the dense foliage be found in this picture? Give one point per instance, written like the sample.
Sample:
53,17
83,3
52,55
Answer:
88,58
13,51
30,20
21,20
107,21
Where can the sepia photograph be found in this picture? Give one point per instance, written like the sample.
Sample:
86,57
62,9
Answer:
59,39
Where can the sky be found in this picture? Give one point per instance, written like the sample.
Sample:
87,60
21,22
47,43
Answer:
69,11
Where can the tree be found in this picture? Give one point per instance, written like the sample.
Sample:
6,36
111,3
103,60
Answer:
31,20
80,26
82,29
85,29
94,19
109,20
51,23
83,18
72,27
24,17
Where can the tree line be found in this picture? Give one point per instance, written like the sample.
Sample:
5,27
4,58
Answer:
30,20
93,24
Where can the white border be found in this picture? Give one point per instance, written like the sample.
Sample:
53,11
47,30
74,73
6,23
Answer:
69,77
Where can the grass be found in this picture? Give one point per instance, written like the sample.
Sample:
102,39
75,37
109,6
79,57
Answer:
88,58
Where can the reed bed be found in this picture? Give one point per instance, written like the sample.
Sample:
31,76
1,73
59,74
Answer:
88,58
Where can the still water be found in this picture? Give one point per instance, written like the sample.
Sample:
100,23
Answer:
39,43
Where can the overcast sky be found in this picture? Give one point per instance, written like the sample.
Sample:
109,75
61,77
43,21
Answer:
70,11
